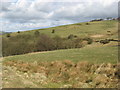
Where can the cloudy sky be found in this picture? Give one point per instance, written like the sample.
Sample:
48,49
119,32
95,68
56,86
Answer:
21,15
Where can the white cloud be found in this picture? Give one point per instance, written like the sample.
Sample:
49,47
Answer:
39,13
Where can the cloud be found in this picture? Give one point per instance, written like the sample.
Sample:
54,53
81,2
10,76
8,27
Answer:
83,10
39,13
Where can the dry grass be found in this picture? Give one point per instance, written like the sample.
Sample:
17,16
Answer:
59,74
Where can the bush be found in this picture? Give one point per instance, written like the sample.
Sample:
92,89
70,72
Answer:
111,39
8,35
78,43
58,42
36,33
19,44
18,32
67,44
87,23
10,47
71,36
25,43
75,36
45,43
89,40
53,31
105,41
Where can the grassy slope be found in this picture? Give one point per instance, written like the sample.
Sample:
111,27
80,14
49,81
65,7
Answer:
96,53
80,29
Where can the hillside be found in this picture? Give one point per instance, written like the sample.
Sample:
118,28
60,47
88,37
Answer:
94,53
96,29
93,66
86,59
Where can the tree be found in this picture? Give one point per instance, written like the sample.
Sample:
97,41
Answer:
71,36
53,31
58,42
8,35
89,40
45,43
87,23
37,33
105,41
18,32
78,43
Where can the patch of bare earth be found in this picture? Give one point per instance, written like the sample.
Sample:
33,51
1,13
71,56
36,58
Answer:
97,36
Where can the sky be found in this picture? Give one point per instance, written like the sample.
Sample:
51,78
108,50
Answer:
22,15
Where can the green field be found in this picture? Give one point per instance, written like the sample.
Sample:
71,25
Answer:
96,53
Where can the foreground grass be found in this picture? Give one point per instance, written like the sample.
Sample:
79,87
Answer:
95,53
59,74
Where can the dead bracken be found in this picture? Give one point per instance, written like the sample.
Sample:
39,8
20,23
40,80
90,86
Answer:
60,74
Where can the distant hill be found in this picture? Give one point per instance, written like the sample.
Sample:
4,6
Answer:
95,29
61,37
2,32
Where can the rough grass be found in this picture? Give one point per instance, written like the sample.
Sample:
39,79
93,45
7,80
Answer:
96,53
93,66
80,29
59,74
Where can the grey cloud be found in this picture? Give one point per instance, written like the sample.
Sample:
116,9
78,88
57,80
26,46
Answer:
24,16
44,7
4,7
54,13
96,10
66,11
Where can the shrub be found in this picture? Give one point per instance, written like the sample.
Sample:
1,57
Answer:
53,31
8,35
87,23
71,36
36,33
45,43
15,48
25,43
16,45
78,43
105,41
58,42
18,32
89,40
75,36
111,39
67,44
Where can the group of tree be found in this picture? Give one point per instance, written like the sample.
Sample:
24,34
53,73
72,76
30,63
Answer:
21,44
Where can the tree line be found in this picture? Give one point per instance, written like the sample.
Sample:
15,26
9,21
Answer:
25,43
